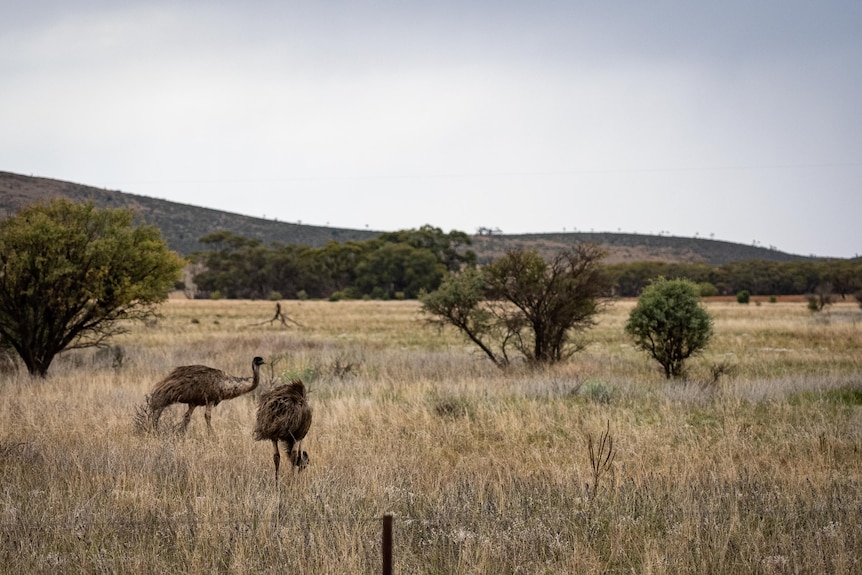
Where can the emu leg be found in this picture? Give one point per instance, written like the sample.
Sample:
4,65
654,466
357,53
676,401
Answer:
187,417
276,457
208,413
155,416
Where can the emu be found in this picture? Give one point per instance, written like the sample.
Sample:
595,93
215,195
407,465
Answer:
284,414
197,385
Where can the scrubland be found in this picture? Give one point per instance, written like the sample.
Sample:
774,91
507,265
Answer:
752,464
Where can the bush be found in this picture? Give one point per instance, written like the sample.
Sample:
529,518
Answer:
821,298
596,392
669,323
743,296
274,296
707,289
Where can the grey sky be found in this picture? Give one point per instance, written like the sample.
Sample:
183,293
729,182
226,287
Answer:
738,120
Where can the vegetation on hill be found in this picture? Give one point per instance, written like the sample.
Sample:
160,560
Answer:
627,248
243,257
183,226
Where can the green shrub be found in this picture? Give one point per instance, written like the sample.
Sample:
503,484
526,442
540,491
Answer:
274,296
707,289
743,296
669,323
596,391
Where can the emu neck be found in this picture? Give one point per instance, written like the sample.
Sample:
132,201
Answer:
255,378
241,385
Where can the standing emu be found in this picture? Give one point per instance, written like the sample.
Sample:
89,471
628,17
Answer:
197,385
284,414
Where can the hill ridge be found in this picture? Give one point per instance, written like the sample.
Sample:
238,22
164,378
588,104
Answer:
183,225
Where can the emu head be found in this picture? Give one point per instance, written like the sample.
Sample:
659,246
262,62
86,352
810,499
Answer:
301,460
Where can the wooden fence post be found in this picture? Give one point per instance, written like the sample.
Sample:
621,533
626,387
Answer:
387,544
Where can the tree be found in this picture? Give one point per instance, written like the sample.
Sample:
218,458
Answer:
459,302
449,249
398,270
821,297
335,264
395,264
669,323
844,277
237,268
521,302
72,274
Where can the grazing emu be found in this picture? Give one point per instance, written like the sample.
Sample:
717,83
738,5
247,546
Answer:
197,385
284,414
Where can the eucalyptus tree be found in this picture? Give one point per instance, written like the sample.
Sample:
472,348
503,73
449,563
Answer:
72,275
523,306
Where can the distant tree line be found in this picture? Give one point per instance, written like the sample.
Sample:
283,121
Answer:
841,278
395,265
407,263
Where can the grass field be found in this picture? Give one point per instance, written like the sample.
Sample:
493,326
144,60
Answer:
484,471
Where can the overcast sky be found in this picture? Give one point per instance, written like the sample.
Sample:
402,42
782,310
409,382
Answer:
738,120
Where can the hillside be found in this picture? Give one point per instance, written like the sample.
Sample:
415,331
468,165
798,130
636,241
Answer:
183,225
635,247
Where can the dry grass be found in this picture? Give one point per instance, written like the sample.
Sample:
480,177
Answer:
484,471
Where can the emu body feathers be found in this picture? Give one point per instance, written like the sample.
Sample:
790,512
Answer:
284,414
197,385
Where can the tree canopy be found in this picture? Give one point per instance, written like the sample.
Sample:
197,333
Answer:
71,274
669,323
521,303
394,265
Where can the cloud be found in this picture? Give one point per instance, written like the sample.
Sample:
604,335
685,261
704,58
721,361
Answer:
530,117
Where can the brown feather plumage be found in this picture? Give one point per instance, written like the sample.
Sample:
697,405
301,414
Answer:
284,414
199,385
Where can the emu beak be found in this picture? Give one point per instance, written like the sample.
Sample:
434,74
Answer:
302,460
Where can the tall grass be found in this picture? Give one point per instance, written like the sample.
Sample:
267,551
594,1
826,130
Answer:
485,471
